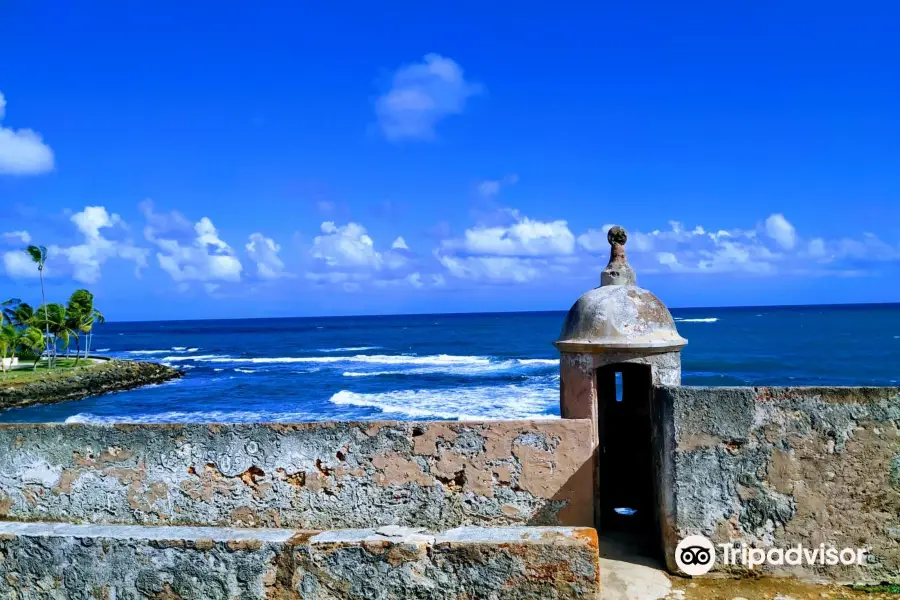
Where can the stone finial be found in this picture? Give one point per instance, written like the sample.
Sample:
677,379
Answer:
618,271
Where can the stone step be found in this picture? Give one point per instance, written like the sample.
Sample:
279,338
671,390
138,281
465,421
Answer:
113,562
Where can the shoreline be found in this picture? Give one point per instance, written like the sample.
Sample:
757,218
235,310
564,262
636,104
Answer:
110,375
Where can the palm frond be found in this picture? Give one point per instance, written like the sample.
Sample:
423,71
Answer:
38,254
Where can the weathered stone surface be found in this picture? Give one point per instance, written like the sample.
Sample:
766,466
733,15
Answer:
40,560
618,314
110,376
308,475
777,467
578,390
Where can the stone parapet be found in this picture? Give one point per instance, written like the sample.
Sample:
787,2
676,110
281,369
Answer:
778,467
326,475
106,562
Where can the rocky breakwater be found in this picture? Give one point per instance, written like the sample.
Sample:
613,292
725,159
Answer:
100,378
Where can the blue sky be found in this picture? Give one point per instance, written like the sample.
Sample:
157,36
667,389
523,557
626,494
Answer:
230,160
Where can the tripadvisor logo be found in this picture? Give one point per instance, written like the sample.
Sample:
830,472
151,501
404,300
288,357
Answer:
696,555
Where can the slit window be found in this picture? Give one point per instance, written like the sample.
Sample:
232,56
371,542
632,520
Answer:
618,387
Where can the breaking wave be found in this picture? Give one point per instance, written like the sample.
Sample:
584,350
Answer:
172,349
383,359
198,357
514,401
352,349
489,368
213,416
706,320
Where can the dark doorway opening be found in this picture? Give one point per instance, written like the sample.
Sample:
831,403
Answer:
627,502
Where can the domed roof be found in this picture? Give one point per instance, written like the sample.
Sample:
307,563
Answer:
618,314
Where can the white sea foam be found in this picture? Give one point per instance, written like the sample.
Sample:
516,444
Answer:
101,350
373,373
352,349
213,416
403,364
538,361
514,401
179,348
245,371
377,359
200,357
706,320
479,368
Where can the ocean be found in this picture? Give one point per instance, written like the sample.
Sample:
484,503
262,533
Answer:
465,366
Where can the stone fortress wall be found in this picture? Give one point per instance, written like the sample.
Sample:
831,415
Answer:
310,510
778,467
488,509
330,475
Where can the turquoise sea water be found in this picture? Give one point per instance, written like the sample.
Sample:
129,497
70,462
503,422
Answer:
455,366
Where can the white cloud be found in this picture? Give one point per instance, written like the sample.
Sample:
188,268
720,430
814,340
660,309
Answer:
780,229
264,252
421,95
594,240
413,280
205,257
349,282
868,247
86,258
23,151
17,237
169,223
772,246
491,187
519,251
682,249
525,237
19,266
346,246
347,254
816,248
493,268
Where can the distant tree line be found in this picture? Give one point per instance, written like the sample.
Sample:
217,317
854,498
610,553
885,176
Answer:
36,333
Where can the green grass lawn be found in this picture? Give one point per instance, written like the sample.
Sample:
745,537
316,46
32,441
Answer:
64,367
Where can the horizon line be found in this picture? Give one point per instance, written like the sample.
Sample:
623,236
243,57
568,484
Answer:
515,312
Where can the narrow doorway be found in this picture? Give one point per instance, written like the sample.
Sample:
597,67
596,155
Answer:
627,502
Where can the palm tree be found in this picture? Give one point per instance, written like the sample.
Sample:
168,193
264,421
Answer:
52,319
32,340
38,255
80,318
8,309
22,315
8,335
90,316
12,339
